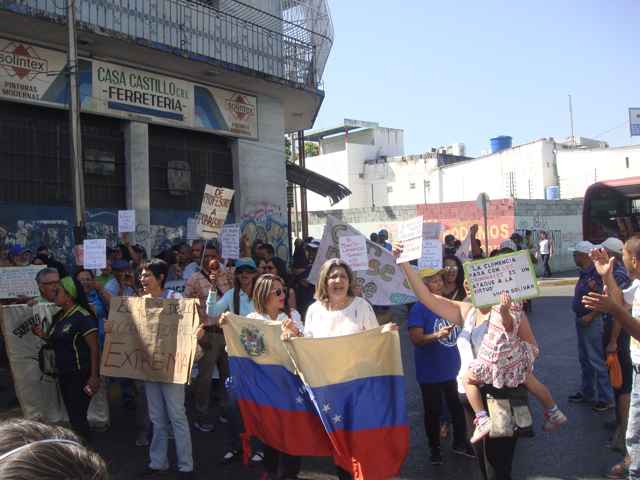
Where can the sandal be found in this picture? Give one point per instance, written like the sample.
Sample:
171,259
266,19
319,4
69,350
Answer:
230,457
619,471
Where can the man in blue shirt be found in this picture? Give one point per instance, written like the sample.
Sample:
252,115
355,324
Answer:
595,387
437,364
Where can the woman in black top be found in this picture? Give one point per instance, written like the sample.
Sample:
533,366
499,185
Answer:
74,337
453,278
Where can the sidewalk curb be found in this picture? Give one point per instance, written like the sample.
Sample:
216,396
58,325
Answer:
558,283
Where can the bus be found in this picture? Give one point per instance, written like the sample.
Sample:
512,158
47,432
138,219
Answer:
611,209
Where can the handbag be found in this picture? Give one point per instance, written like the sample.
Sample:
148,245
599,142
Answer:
509,412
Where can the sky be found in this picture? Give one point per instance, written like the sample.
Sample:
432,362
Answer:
467,70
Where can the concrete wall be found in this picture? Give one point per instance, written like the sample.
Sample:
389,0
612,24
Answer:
260,179
578,169
562,219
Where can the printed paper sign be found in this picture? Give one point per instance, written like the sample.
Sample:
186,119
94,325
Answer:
151,339
512,273
192,232
383,283
431,255
431,231
410,234
19,281
353,250
95,254
213,212
230,242
126,221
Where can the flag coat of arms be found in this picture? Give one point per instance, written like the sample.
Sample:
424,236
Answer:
340,396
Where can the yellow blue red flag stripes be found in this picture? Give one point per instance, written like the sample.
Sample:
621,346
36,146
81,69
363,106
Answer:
350,403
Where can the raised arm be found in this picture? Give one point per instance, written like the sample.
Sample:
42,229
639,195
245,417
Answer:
450,310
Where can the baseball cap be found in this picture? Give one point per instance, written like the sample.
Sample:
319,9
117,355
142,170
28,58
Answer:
18,249
245,263
429,272
613,244
584,246
120,265
313,243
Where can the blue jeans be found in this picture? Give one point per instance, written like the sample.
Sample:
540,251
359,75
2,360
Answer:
633,428
595,375
166,405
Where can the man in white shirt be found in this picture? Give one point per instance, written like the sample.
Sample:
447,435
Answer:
545,248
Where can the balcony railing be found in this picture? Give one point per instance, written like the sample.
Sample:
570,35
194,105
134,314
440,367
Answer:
225,30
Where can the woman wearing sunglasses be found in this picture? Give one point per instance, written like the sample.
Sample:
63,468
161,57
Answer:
269,301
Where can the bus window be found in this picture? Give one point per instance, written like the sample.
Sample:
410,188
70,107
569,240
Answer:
611,209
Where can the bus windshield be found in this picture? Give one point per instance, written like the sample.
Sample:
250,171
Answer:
611,209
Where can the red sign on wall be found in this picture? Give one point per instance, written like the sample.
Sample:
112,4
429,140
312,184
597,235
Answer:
457,218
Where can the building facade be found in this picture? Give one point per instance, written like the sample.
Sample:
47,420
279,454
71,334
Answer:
174,95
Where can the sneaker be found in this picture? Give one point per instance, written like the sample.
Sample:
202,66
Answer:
553,420
463,449
436,457
230,457
152,473
257,457
577,398
483,427
602,406
142,439
204,426
223,419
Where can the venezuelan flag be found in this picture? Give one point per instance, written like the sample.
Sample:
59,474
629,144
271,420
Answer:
274,404
342,397
356,383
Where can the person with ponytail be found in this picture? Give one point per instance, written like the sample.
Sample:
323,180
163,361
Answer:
74,338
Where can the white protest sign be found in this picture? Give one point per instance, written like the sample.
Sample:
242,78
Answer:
410,234
19,281
192,232
383,283
431,254
431,231
512,273
353,250
126,221
230,242
95,254
213,212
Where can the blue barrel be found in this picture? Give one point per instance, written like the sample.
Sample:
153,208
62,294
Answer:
500,143
552,192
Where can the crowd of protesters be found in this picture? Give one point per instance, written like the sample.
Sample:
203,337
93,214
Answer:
446,330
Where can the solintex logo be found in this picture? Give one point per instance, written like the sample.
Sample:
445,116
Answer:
240,107
22,61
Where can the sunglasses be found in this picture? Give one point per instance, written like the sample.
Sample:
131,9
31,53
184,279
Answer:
451,268
278,292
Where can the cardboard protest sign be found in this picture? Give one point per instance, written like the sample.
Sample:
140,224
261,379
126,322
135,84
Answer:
230,242
151,339
383,283
19,281
213,211
512,273
33,368
126,221
95,254
431,231
431,254
410,234
353,250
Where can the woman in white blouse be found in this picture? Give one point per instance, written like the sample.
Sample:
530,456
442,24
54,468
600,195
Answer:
336,311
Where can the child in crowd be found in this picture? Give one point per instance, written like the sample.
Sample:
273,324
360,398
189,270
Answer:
505,359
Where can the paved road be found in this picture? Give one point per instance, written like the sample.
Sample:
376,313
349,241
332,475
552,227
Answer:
575,452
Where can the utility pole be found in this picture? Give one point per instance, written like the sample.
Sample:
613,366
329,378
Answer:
303,190
573,138
74,124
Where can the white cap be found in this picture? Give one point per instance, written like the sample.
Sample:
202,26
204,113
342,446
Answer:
613,244
584,246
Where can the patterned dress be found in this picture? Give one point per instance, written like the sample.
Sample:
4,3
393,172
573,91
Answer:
504,359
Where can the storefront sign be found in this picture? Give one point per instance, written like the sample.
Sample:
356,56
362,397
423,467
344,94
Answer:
37,75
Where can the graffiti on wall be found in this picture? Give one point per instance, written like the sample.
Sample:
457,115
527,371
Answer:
265,222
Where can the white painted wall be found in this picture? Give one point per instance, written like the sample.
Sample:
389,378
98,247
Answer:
577,169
